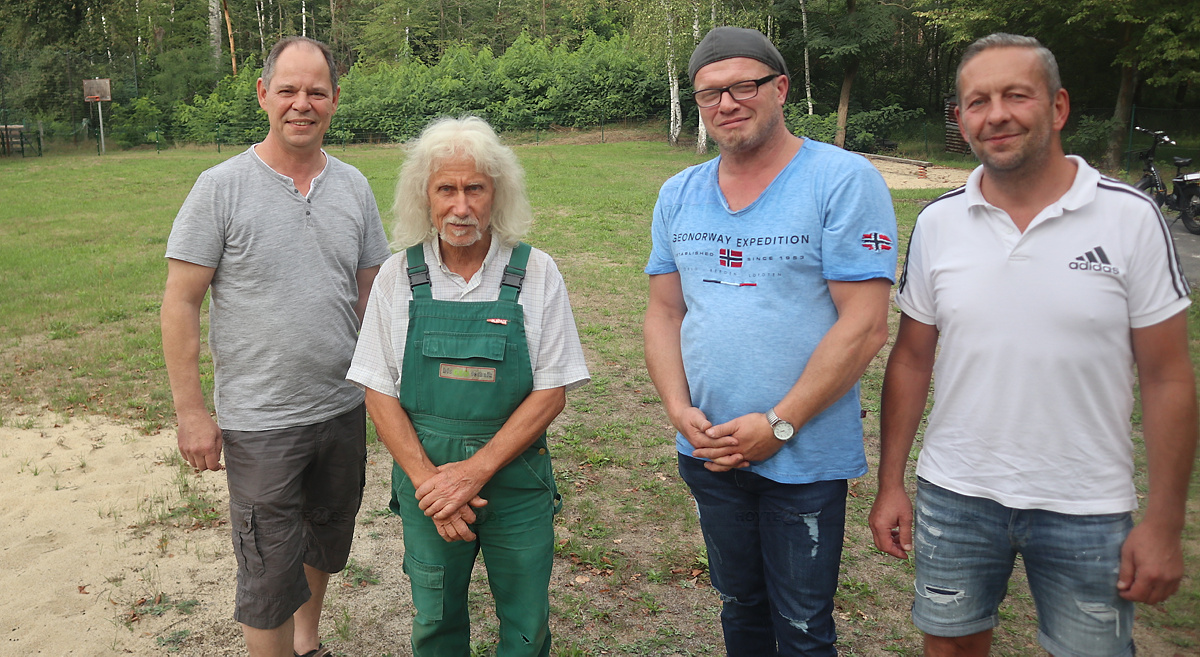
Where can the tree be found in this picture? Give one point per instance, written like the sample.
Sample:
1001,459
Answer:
845,32
1124,42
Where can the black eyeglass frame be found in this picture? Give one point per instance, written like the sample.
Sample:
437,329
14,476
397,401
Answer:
721,91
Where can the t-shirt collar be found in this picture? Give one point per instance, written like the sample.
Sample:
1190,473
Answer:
288,179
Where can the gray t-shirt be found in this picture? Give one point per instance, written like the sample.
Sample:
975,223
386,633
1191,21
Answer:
282,326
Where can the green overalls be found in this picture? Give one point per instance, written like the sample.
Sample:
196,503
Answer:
466,369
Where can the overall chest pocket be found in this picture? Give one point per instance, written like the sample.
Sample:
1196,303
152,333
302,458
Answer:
471,376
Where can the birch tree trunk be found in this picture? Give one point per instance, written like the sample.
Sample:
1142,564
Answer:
214,29
262,38
673,79
807,66
303,18
333,24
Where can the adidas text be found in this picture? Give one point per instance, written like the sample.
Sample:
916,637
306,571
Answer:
1093,266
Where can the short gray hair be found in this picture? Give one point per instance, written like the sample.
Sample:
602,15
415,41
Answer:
1004,40
268,70
449,138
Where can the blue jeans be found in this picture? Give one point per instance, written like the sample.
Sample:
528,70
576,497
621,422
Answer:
965,550
773,555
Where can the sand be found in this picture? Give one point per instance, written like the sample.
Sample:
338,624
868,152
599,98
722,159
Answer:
82,540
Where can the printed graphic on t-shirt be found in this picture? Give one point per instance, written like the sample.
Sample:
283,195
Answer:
736,260
876,242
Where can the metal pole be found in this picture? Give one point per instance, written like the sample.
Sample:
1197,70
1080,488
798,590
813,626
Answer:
100,108
1129,151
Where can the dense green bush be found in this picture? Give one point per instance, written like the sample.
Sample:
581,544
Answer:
229,114
864,130
532,85
136,123
1089,139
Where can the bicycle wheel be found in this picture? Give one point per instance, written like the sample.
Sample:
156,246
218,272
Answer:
1189,209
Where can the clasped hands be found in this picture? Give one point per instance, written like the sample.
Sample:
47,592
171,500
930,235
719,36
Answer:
733,444
449,497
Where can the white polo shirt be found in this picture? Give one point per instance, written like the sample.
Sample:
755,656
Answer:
1033,384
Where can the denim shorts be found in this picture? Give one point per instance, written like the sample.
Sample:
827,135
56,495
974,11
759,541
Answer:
293,496
965,551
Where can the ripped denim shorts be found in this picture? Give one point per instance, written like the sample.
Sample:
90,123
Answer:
965,551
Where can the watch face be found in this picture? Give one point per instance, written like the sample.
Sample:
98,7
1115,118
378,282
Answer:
783,430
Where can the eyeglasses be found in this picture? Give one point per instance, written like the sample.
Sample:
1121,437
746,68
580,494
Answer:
744,90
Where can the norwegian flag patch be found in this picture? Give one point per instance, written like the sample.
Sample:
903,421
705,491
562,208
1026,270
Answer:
876,242
730,258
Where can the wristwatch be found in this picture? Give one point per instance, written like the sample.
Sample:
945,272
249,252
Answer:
782,428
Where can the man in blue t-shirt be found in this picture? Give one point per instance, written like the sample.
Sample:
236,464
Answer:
769,281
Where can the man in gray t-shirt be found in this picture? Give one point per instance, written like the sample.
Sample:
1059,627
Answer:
289,240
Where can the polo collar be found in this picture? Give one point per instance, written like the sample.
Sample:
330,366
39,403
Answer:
1081,193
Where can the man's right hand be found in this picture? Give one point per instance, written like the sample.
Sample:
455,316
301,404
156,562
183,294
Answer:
200,441
457,526
692,423
891,522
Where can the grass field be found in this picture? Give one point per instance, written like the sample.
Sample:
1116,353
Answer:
81,276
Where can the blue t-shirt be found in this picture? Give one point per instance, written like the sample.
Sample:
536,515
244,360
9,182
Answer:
754,282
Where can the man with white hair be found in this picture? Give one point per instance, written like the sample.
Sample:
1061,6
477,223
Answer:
289,239
466,353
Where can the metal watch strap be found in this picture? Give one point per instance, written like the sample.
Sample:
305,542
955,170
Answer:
776,420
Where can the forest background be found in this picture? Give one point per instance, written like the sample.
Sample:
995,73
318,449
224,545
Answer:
865,73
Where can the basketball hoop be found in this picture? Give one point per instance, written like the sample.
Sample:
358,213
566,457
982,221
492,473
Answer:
91,99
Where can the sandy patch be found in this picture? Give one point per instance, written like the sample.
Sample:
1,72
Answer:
83,540
907,176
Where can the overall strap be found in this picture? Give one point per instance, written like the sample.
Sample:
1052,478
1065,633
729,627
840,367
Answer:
514,273
418,273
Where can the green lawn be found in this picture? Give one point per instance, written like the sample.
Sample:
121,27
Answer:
81,276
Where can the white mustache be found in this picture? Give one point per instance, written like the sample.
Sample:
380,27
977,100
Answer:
463,221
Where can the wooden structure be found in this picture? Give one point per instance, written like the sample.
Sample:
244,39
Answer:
12,139
954,141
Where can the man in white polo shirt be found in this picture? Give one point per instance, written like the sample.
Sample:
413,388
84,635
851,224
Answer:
1046,284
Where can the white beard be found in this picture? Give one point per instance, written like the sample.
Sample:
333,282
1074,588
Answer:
454,237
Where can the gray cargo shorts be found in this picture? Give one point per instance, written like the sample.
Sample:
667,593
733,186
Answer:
293,496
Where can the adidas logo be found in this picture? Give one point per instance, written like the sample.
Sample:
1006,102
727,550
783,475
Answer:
1094,260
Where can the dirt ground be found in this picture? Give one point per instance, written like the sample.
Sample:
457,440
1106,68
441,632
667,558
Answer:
109,547
106,552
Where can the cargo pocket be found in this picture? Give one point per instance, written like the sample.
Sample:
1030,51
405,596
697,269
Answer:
428,587
245,545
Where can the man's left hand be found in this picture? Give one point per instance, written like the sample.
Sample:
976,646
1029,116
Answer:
1151,564
756,441
454,485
